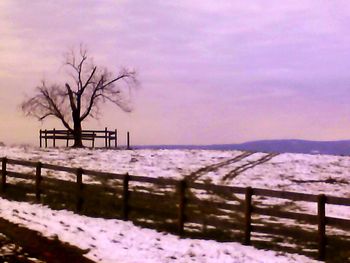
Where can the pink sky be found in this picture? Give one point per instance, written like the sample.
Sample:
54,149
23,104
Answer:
210,71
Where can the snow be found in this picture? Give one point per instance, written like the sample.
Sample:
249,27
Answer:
286,172
118,241
282,172
313,174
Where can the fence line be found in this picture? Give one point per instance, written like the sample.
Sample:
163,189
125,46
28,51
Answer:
87,135
182,188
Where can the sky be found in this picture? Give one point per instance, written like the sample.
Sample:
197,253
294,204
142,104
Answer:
209,71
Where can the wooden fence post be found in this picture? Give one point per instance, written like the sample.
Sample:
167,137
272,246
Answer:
125,201
115,140
38,179
54,137
128,140
247,215
105,137
80,200
67,143
182,203
321,214
45,138
40,137
3,175
93,139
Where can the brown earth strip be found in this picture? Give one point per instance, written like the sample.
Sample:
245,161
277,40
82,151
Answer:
327,181
48,250
12,252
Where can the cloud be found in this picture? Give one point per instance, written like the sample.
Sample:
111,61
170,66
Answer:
193,57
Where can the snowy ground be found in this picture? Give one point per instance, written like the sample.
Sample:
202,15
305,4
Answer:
119,241
292,172
283,172
303,173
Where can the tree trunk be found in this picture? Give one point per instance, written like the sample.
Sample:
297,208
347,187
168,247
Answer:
78,143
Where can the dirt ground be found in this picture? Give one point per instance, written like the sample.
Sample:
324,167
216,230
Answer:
19,244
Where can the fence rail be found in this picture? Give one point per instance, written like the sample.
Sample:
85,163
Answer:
183,202
87,135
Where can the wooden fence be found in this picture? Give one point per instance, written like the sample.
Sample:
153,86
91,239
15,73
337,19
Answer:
87,135
179,204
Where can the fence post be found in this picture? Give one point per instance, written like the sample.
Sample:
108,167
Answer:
93,139
40,137
105,137
115,139
321,214
109,139
247,215
182,202
45,138
128,141
54,137
125,201
3,174
67,143
38,179
79,174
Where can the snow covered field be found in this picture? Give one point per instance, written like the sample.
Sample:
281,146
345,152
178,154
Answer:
119,241
293,172
113,240
303,173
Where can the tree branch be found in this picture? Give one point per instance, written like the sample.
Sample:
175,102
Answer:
91,87
71,97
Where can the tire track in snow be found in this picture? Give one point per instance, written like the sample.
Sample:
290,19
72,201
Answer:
214,167
249,165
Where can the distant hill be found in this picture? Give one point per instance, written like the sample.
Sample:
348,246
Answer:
280,146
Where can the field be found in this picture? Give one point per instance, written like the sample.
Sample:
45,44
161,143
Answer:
290,172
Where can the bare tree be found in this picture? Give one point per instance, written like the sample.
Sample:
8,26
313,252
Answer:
86,89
